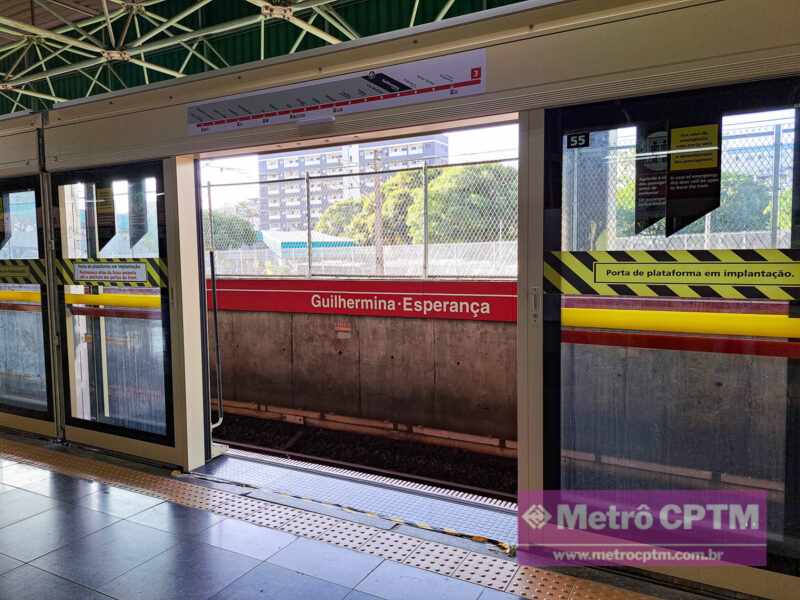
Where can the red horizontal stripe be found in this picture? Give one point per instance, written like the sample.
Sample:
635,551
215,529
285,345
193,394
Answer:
686,343
758,307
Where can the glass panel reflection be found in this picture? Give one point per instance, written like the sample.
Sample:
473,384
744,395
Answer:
23,371
117,358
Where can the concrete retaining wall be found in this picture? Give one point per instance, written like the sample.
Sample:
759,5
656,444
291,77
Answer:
453,375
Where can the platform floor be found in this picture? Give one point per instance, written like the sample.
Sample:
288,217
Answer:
275,478
76,525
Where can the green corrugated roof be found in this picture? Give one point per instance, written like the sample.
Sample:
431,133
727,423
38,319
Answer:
367,17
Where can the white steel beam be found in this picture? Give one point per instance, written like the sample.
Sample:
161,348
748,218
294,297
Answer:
147,65
169,22
52,35
445,9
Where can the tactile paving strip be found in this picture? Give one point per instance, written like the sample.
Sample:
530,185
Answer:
487,571
535,583
481,569
309,525
391,545
436,557
348,535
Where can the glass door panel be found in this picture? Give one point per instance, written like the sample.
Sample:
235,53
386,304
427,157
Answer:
660,372
111,262
24,359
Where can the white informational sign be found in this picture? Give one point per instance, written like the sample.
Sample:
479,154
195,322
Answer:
439,78
112,272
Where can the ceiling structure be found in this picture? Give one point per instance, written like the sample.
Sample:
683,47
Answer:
57,50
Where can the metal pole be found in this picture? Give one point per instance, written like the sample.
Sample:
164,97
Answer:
214,307
425,219
309,240
377,229
776,186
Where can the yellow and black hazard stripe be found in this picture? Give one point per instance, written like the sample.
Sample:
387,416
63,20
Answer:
729,274
22,272
154,272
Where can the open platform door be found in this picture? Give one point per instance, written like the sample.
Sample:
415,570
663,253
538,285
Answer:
662,356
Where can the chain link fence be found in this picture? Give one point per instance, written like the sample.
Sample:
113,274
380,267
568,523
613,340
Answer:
428,221
599,192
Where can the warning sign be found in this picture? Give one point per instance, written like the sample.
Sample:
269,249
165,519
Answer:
112,272
106,216
693,187
754,273
652,142
694,148
13,271
677,174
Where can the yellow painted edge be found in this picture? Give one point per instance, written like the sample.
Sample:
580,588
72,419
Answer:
736,324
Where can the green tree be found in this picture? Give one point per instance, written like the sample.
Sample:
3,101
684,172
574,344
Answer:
355,218
744,204
230,231
784,210
471,203
338,217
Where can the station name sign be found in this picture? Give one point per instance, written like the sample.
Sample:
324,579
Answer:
451,76
450,300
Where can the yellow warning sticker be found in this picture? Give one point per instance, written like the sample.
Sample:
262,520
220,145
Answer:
694,148
14,271
694,273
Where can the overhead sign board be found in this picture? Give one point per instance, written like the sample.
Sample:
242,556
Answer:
455,75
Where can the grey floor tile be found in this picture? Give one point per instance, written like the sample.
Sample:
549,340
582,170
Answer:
356,595
30,583
103,556
18,505
176,518
393,581
37,535
118,502
20,474
187,571
7,563
245,538
326,561
271,582
62,487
